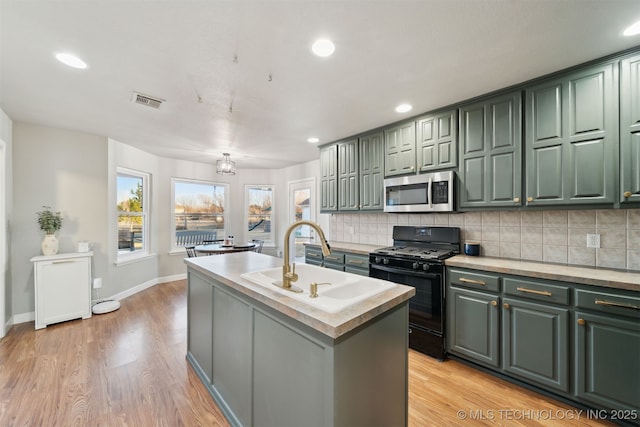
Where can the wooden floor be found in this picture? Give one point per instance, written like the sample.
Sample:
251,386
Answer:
128,368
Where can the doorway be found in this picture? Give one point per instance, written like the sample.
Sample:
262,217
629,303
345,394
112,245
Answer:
301,206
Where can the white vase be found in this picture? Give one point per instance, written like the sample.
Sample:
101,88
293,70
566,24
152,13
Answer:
49,244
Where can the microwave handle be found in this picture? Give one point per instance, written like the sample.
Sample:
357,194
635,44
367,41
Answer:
429,199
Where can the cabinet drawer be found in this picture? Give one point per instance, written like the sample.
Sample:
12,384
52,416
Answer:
334,266
614,303
474,280
312,254
335,257
536,290
357,261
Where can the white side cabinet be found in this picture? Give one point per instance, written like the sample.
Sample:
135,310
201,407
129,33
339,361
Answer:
62,287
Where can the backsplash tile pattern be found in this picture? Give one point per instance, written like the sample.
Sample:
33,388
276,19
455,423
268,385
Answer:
558,236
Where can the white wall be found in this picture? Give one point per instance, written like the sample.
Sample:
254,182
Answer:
6,135
76,172
65,170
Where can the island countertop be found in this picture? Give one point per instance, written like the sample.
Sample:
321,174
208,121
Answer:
228,268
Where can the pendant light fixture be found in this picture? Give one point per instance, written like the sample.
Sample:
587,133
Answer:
225,166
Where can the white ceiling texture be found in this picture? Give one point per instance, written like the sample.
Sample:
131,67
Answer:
239,76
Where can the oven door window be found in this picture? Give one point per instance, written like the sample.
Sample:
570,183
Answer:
425,307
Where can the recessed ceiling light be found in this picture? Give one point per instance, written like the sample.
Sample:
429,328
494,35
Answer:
403,108
313,140
71,60
323,47
633,29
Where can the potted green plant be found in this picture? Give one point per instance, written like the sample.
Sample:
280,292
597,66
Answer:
49,222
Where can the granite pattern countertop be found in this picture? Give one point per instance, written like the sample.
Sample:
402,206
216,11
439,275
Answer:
355,248
228,268
608,278
603,277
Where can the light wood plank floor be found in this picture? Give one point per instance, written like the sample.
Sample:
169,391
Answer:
128,368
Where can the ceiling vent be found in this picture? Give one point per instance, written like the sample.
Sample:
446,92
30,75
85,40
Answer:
147,100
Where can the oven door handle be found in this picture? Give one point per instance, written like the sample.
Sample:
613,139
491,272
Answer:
407,272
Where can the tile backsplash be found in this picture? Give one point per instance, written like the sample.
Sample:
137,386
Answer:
558,236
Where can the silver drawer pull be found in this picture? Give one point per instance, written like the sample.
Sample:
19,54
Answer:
356,262
533,291
475,282
617,304
64,261
314,255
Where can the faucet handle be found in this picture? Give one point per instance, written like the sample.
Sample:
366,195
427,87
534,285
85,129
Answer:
293,277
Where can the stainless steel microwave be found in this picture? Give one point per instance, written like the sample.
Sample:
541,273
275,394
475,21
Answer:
428,192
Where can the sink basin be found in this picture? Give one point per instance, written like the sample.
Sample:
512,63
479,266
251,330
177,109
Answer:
337,290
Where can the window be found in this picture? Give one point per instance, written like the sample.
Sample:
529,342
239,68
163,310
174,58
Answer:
259,208
198,211
133,214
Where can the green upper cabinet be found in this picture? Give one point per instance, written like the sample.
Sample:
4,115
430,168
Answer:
400,149
490,152
329,178
371,163
630,129
571,138
348,178
437,141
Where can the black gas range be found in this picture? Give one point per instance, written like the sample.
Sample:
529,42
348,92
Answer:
417,259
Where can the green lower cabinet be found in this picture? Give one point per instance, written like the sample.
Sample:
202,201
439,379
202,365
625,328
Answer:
356,264
313,255
529,337
536,342
473,325
607,365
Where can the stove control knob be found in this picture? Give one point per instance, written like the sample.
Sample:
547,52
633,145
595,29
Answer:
385,261
416,265
425,267
378,260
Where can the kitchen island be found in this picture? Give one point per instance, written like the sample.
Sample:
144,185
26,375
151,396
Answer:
269,359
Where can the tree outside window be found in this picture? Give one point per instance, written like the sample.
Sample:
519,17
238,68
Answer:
259,206
132,213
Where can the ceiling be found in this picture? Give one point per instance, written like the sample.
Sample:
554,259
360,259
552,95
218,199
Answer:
239,76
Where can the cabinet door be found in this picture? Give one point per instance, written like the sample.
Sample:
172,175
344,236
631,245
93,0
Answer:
490,158
329,178
63,290
536,342
371,164
572,138
199,325
472,325
400,149
607,355
437,142
630,130
231,352
348,194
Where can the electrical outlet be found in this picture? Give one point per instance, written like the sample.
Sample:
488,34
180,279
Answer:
352,230
97,283
593,240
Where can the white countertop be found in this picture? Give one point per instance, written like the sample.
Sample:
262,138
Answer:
228,268
568,273
608,278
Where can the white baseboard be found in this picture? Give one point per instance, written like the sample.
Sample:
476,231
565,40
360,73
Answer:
31,316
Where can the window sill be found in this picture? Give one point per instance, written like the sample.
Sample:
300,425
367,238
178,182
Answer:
133,259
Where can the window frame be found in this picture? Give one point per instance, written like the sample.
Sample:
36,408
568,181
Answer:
125,257
172,232
272,233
